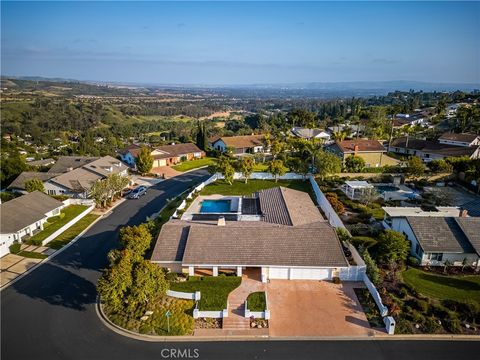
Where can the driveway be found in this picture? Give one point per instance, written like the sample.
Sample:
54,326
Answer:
315,308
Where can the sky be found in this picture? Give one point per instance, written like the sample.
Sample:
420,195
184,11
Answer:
242,42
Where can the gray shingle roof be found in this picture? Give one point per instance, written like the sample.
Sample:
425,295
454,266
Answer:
25,210
471,228
64,163
171,241
440,234
19,182
288,207
176,150
463,137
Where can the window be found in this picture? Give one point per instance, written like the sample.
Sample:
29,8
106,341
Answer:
51,192
435,256
417,249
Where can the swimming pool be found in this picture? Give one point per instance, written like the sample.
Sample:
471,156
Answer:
215,206
384,188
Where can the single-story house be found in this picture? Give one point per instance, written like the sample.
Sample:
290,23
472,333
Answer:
18,185
68,163
432,150
463,139
288,239
25,215
372,151
248,144
164,155
308,134
40,163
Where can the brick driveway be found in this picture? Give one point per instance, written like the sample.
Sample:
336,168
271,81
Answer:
315,308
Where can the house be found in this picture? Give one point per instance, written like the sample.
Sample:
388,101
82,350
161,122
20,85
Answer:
431,150
277,232
437,236
40,163
248,144
465,140
164,155
372,151
72,175
351,129
305,133
24,216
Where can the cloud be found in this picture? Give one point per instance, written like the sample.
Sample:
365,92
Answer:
385,61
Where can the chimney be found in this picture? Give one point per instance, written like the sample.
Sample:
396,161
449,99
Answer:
221,221
355,149
463,213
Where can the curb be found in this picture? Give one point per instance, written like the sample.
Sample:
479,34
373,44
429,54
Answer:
189,338
61,249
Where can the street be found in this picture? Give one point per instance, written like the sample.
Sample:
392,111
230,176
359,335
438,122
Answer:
50,313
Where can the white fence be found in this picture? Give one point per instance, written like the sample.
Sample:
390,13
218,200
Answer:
209,314
67,225
327,209
184,295
268,176
87,202
376,296
199,187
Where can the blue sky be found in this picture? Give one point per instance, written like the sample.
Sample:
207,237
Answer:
242,43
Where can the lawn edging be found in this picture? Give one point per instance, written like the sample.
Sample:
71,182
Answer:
67,225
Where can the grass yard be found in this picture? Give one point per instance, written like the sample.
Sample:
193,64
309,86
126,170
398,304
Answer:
214,290
459,288
31,254
240,188
56,222
193,164
69,234
256,301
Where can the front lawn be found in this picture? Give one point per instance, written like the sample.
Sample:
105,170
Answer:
459,288
193,164
239,187
214,290
56,222
256,301
32,254
69,234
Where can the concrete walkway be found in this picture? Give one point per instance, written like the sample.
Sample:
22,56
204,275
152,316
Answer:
236,301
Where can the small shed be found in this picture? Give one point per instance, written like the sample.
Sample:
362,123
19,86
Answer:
355,189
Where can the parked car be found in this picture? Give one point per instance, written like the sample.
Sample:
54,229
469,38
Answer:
137,192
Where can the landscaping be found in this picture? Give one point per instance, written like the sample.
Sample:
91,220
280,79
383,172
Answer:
31,254
56,222
459,288
370,308
214,289
69,234
257,301
194,164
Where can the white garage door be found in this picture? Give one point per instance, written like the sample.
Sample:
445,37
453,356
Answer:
278,273
309,274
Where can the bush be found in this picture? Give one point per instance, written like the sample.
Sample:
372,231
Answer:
431,325
365,241
420,305
452,323
336,280
343,234
337,205
413,261
14,248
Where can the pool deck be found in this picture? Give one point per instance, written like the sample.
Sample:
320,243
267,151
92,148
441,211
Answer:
195,207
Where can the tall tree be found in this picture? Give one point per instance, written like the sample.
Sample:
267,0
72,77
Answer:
392,246
354,164
415,167
245,166
276,168
327,163
144,161
136,239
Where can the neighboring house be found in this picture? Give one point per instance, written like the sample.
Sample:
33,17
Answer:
75,175
24,216
351,129
308,134
40,163
248,144
164,155
431,150
465,140
372,151
285,237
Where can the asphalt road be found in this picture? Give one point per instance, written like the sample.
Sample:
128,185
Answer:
50,313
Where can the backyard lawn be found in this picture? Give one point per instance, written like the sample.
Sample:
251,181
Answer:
256,301
193,164
240,188
69,234
442,287
214,290
56,222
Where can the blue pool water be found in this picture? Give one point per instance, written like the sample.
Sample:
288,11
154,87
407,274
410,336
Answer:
383,188
215,206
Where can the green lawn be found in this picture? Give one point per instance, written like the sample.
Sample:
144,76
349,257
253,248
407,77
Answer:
31,254
214,290
458,288
240,188
256,301
56,222
69,234
193,164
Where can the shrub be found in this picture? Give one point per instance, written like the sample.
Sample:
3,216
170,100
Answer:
336,280
365,241
343,234
420,305
14,248
361,230
452,323
431,325
417,317
413,261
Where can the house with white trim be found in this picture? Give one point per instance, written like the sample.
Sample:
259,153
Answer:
248,144
277,232
25,215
